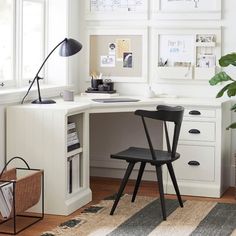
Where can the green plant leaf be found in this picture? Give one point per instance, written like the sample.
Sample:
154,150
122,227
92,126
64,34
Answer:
229,59
220,77
232,89
221,93
232,126
233,108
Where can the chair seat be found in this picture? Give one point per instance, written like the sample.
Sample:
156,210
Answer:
137,154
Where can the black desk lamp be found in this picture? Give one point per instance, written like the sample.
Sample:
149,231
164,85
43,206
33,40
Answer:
68,48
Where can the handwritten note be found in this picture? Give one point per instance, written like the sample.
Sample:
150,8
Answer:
176,48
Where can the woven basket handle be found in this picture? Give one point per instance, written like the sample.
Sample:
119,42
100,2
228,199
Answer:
20,158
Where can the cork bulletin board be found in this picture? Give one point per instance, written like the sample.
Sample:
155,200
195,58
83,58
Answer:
99,50
119,54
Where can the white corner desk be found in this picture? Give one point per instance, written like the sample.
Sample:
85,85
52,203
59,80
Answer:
38,133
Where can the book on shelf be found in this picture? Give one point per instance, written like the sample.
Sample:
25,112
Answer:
75,172
73,147
73,183
6,199
70,175
72,137
70,126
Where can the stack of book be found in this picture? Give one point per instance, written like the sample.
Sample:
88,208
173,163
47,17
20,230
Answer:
6,199
72,137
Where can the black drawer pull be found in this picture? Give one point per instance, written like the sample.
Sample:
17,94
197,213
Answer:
194,131
195,113
194,163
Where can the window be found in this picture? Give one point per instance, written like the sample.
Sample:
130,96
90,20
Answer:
33,37
6,42
22,41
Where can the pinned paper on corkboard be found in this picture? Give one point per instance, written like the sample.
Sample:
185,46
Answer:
112,49
123,45
107,61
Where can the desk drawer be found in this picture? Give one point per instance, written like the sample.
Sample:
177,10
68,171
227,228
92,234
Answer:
195,112
196,163
197,131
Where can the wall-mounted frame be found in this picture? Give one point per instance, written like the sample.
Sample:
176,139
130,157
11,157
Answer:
186,9
183,55
116,10
119,54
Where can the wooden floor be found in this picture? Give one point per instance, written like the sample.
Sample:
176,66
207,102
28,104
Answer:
103,187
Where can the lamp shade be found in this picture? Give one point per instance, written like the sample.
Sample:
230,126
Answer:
70,47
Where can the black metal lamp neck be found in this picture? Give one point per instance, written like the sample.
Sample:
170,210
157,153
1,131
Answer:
37,77
50,55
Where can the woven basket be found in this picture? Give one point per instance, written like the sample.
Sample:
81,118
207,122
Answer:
27,188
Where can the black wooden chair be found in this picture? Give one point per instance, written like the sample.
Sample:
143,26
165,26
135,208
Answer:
155,157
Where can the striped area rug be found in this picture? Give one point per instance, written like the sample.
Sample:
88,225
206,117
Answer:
143,218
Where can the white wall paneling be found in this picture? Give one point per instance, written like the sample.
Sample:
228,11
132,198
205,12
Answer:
116,10
186,9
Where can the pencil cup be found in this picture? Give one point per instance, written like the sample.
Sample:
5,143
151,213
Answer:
96,82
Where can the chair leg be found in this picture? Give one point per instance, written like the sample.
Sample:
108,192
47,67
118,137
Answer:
172,175
122,186
140,174
161,190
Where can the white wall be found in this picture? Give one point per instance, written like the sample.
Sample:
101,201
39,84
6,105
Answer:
77,28
228,45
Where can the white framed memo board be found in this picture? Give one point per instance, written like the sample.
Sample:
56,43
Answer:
183,55
176,48
186,9
116,10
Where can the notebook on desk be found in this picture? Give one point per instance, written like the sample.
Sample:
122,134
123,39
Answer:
111,100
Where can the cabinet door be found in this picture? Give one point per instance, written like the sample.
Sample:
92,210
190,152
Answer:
196,163
195,131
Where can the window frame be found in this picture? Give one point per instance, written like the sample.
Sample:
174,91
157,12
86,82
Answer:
26,81
17,81
12,82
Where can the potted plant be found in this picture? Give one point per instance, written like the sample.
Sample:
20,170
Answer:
230,88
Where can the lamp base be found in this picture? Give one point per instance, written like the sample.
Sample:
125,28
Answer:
44,101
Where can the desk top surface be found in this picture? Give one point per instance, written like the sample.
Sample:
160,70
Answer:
86,104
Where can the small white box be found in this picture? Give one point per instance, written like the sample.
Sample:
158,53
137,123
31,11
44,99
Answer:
175,72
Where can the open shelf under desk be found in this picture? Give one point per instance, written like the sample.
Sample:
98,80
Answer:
74,152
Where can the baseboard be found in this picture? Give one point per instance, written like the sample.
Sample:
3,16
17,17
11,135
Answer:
119,173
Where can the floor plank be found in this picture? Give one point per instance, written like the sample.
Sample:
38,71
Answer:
103,187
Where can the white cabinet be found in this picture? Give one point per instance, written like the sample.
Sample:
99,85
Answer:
196,163
197,131
204,144
39,134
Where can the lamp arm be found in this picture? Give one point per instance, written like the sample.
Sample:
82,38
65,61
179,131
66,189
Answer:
36,76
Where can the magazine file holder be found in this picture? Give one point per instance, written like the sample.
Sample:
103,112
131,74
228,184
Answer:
26,193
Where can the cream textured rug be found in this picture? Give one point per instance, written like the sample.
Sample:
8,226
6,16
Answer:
143,218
